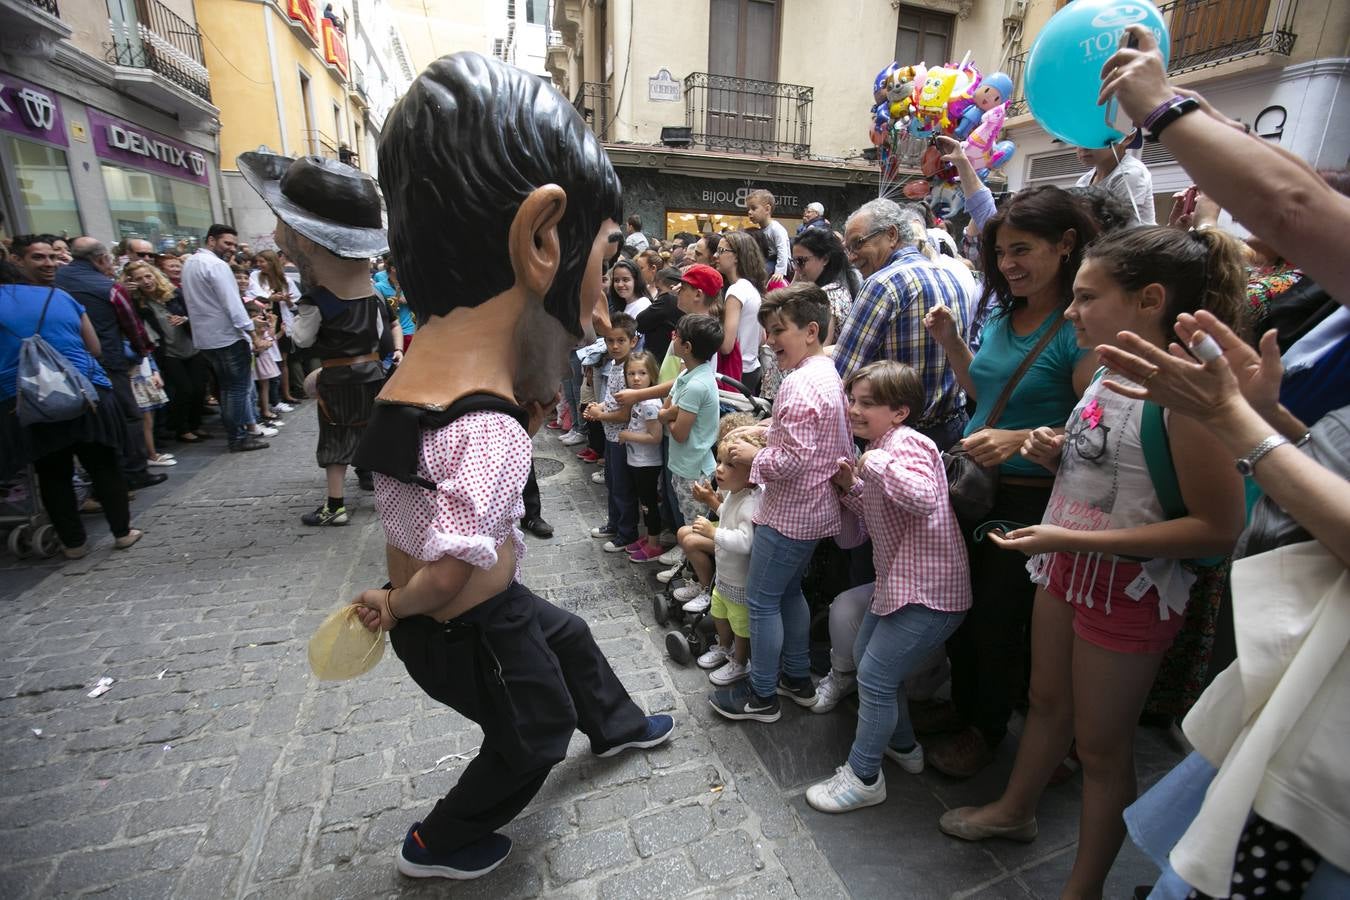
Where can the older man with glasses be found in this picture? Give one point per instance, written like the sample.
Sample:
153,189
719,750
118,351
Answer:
886,320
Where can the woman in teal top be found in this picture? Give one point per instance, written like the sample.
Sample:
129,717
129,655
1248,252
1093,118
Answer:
1032,248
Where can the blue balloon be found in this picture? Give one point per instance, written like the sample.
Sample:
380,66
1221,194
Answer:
1063,75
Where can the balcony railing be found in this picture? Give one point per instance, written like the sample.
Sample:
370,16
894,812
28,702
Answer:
748,116
592,101
165,43
47,6
1205,33
1208,32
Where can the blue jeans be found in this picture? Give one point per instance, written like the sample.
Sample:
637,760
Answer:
622,494
572,392
890,648
779,618
233,366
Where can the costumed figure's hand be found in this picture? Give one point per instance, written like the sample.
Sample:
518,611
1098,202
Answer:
372,608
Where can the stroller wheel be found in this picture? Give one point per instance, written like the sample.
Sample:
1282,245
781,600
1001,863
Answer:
45,541
678,648
19,540
697,642
660,610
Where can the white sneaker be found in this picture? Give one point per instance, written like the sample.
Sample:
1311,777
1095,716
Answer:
835,686
729,673
598,477
688,591
265,431
911,762
572,438
716,655
672,557
666,576
611,547
845,792
283,407
163,459
698,604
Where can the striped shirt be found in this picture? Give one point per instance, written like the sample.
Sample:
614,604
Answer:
917,548
808,435
886,322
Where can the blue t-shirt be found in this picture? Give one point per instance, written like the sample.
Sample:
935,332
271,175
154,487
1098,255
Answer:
695,391
20,308
389,292
1045,395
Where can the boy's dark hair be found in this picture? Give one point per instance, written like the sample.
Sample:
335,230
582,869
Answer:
623,322
218,229
703,334
635,221
801,303
453,184
20,243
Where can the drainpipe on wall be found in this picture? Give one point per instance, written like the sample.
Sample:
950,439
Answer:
276,82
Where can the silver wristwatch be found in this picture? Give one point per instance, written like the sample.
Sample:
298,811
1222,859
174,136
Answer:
1247,464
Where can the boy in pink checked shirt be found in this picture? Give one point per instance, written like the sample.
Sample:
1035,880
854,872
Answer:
806,438
922,592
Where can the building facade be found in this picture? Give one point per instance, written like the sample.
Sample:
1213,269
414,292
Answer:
107,121
715,96
1280,66
286,82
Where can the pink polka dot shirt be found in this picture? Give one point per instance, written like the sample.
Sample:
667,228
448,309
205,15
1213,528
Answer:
480,464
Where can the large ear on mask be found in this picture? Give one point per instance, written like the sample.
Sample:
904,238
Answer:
535,248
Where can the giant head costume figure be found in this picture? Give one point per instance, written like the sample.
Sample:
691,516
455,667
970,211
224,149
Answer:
500,203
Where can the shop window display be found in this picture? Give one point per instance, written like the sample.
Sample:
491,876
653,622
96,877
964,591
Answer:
162,210
44,191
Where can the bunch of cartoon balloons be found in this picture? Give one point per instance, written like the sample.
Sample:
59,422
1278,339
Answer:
914,104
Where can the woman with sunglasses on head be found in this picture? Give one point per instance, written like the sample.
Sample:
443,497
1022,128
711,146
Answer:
741,264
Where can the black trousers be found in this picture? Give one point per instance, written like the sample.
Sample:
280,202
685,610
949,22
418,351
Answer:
989,651
533,507
133,448
595,438
100,462
647,481
529,674
185,383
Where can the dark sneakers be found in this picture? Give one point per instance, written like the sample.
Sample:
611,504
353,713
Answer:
658,730
325,516
473,861
247,444
536,526
801,691
738,702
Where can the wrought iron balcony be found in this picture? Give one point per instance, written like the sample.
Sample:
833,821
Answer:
748,116
163,42
47,6
1209,32
1016,67
592,101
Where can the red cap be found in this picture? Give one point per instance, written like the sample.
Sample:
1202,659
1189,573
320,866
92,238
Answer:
705,278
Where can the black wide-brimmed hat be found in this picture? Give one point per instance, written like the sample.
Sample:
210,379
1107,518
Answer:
333,204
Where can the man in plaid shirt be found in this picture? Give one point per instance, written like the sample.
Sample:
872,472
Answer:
886,321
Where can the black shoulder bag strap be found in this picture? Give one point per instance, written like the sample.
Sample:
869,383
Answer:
1030,358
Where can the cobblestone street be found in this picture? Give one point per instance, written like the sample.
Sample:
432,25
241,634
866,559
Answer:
217,766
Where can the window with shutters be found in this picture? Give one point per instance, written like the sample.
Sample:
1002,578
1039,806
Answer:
924,36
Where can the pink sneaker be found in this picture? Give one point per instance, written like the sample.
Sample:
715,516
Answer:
647,552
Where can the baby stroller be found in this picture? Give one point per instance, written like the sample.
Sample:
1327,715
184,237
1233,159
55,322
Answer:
694,632
31,532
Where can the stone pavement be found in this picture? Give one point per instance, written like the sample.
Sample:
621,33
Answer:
217,766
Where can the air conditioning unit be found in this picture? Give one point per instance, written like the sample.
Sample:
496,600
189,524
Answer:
1015,9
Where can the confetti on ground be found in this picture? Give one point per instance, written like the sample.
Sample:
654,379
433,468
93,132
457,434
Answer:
104,685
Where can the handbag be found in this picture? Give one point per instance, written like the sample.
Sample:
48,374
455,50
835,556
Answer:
971,486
